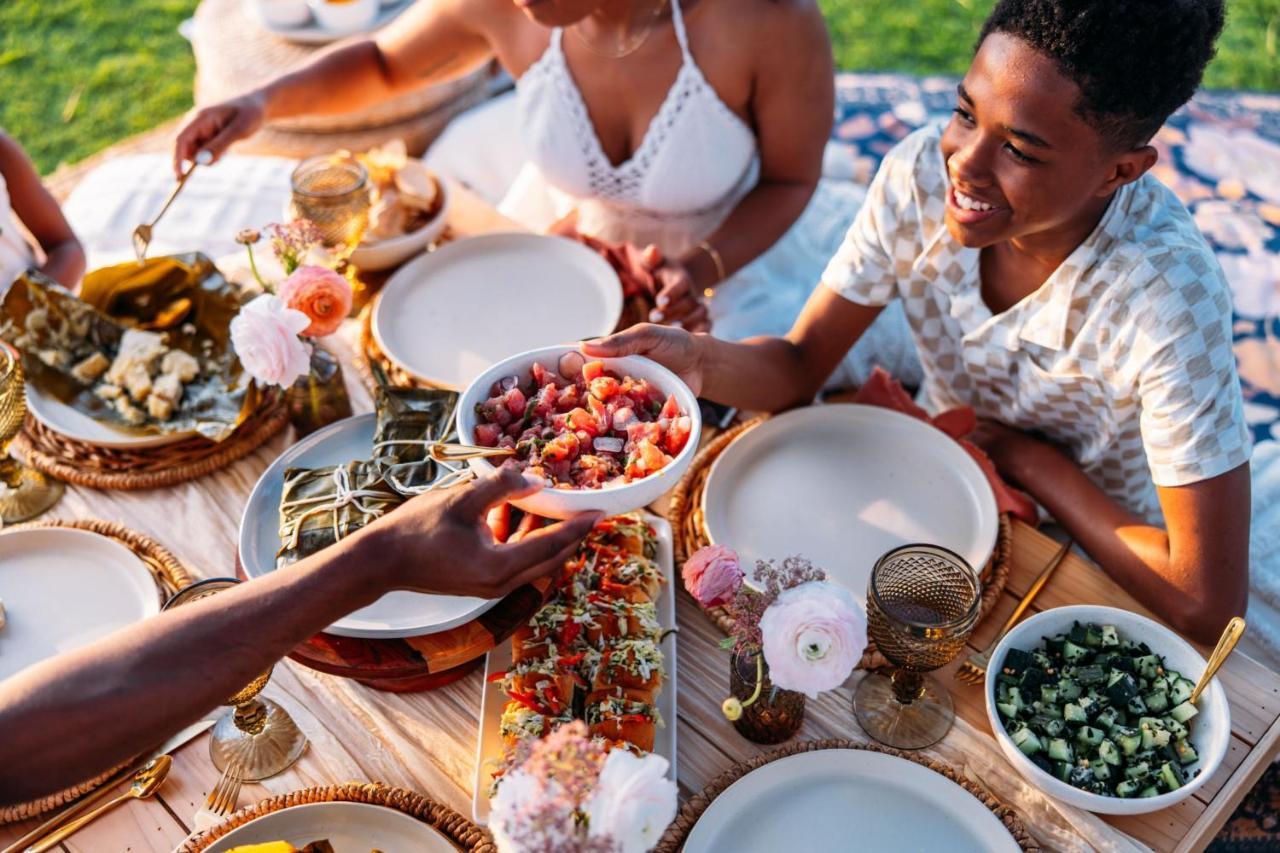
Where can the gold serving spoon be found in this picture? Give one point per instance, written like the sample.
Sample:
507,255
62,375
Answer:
445,452
142,234
1226,643
145,783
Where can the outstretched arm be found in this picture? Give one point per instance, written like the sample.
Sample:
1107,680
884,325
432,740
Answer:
1195,573
434,41
86,711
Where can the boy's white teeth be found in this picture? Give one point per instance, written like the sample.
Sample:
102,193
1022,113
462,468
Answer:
970,203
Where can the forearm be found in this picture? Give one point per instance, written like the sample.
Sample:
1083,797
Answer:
755,224
90,709
760,374
64,262
1140,557
336,82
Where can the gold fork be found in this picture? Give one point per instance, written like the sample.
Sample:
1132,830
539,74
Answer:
974,669
222,799
142,234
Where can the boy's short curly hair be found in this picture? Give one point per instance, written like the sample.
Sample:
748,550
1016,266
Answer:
1135,61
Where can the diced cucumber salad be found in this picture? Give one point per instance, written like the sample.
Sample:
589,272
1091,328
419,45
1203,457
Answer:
1099,712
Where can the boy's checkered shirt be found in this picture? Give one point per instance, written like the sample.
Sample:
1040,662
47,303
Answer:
1123,356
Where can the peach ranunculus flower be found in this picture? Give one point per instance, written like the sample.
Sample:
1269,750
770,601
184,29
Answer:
712,575
320,293
265,337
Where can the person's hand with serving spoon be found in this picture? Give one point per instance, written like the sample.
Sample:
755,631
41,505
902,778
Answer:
86,711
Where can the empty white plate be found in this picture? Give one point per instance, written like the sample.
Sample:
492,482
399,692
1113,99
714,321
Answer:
349,827
847,799
396,614
449,315
74,424
842,485
65,588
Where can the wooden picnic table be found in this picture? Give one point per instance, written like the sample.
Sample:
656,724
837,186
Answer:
427,741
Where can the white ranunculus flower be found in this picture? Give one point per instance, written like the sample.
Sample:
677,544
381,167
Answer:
633,801
528,812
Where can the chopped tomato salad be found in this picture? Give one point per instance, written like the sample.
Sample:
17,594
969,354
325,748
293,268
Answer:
581,426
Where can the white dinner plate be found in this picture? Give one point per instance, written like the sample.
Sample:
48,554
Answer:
64,588
349,827
396,614
449,315
847,799
312,33
489,748
64,419
842,485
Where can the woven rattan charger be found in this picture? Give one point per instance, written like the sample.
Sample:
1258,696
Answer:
690,531
169,575
462,832
99,467
678,832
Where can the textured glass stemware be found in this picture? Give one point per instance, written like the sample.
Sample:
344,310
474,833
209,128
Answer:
24,491
258,735
922,605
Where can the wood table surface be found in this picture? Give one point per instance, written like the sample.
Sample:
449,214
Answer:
427,741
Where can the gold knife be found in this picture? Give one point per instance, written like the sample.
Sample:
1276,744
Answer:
104,790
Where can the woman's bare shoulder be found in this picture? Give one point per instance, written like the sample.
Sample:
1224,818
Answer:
773,23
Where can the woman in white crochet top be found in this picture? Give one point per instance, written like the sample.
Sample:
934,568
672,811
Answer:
695,125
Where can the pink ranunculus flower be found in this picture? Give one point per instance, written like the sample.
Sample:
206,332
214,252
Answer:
712,575
265,337
814,634
321,294
633,801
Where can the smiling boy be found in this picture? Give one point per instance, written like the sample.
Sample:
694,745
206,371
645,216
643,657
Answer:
1055,287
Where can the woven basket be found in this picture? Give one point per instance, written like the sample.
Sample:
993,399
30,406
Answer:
146,467
673,839
462,832
690,533
170,576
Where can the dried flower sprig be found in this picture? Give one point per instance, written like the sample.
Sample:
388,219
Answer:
770,579
291,242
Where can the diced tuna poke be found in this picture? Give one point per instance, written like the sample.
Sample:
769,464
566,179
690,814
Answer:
580,426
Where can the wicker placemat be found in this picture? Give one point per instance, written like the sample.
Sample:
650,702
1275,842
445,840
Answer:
690,534
170,576
673,839
462,832
146,467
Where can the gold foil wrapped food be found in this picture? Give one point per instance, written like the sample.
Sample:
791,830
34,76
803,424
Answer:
67,341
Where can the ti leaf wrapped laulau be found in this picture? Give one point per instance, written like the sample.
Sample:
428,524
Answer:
320,506
409,421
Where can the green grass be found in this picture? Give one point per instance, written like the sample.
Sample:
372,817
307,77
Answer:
78,75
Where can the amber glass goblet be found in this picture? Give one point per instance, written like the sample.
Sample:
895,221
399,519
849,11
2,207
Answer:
24,491
258,735
922,605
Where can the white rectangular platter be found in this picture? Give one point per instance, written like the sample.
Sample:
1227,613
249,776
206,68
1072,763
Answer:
489,750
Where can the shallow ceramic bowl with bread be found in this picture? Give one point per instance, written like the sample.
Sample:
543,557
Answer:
1210,729
612,500
394,251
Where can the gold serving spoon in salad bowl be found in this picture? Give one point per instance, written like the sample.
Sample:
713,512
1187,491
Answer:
1226,644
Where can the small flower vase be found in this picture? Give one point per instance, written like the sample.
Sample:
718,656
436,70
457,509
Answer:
319,398
775,714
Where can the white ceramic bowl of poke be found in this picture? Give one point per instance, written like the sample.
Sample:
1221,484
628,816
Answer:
646,452
1209,730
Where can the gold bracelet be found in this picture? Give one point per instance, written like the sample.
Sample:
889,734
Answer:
715,259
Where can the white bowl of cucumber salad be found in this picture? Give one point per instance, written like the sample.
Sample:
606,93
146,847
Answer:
1089,717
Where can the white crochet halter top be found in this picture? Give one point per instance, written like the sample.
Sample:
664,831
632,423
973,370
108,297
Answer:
696,161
